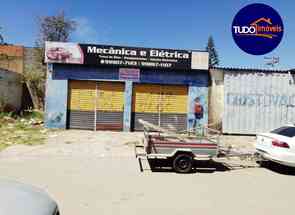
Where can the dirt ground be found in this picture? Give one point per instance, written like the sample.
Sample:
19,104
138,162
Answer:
96,173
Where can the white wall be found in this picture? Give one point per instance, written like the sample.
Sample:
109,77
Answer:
216,98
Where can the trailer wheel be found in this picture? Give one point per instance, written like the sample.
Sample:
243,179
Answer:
183,163
152,163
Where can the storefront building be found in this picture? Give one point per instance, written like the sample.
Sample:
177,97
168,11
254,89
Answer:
103,87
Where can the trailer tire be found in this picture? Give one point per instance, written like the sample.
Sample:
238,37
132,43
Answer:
183,163
152,163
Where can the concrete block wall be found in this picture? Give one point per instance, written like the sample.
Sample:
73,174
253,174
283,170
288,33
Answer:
11,58
32,59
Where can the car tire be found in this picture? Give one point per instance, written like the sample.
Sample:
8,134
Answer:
183,163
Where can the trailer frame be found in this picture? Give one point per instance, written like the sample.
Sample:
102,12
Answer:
182,147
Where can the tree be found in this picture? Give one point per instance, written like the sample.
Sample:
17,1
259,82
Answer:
213,56
35,77
51,28
55,28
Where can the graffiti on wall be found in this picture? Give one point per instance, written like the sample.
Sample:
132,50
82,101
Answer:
155,99
55,118
198,110
198,104
258,99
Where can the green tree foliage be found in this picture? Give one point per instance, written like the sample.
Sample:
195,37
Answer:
213,56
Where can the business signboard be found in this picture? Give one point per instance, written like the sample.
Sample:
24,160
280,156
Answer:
120,56
130,74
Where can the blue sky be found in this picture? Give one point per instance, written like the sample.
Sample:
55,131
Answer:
155,23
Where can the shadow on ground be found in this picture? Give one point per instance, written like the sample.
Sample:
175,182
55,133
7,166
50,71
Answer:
278,168
198,166
213,166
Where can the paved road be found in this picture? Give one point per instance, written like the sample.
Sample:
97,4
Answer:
86,181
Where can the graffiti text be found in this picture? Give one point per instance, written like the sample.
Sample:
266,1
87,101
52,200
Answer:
256,99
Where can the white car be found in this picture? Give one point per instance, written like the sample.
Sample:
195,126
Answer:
278,145
22,199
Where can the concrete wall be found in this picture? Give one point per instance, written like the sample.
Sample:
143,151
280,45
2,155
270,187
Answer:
14,62
216,98
10,90
127,106
32,59
56,92
11,70
56,97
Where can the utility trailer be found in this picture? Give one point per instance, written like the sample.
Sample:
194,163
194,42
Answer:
179,149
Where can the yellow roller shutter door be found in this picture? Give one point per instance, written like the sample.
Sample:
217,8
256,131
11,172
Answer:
110,105
173,99
81,104
110,96
164,105
146,98
96,105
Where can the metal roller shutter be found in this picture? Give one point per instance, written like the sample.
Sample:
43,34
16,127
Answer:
164,105
173,107
81,104
109,106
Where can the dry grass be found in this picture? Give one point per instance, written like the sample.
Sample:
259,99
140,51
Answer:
26,130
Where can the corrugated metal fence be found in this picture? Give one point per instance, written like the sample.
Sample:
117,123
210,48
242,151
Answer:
257,101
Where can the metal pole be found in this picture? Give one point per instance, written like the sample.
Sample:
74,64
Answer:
95,105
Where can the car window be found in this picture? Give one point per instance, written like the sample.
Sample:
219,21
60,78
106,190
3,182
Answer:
285,131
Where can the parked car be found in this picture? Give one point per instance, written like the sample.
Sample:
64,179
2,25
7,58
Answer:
19,199
278,145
